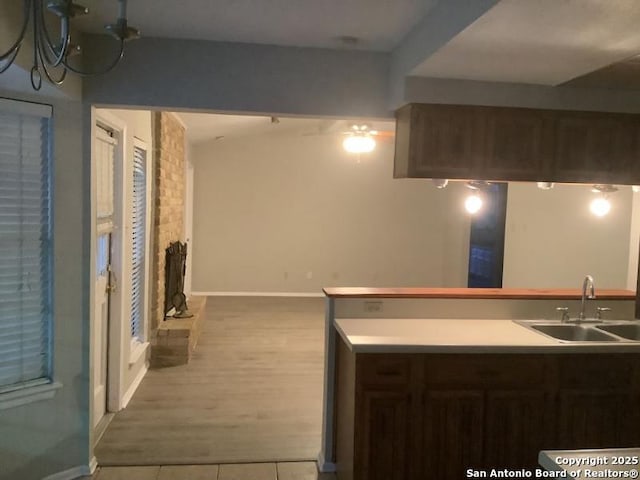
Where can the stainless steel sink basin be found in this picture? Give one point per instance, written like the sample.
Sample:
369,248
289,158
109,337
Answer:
574,333
629,331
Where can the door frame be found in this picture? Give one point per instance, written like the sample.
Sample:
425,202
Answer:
115,353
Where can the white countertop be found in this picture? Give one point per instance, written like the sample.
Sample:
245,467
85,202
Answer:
414,335
597,463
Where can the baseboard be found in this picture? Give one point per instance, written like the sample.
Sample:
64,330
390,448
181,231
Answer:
324,466
258,294
134,386
73,473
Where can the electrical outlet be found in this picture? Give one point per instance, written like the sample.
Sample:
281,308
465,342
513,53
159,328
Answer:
372,306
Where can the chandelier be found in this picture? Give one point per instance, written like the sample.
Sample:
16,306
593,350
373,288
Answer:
50,58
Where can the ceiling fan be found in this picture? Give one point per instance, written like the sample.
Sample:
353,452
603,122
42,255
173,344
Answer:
356,137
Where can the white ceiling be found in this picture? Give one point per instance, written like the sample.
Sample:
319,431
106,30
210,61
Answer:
545,42
207,126
380,24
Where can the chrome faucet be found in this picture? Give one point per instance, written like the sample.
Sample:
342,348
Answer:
586,284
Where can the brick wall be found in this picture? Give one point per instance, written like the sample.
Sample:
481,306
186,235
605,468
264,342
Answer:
168,222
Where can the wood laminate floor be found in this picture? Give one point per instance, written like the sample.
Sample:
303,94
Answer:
252,392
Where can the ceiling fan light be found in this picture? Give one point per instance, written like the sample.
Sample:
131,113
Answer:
359,144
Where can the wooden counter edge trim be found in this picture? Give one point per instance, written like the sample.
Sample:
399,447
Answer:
475,293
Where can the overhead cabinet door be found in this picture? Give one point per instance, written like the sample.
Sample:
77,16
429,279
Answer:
501,144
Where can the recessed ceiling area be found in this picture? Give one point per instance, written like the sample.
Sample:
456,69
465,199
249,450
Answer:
545,42
202,127
379,25
619,76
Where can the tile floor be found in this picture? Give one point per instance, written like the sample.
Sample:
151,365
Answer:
247,471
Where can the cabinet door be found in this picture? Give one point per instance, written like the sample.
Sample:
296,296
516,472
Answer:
598,148
445,142
383,449
452,433
590,418
518,144
518,424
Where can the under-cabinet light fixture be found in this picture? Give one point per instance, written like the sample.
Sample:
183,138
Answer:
473,202
440,183
545,185
601,205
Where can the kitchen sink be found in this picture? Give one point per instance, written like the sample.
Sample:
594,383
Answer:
575,333
629,331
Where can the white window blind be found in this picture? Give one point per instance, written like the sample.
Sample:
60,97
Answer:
25,245
138,216
105,157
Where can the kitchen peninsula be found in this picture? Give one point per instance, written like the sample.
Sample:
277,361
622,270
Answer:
424,383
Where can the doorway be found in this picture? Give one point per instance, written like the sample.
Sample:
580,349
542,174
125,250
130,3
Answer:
104,155
486,239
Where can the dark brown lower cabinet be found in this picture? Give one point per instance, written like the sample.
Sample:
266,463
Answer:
594,419
387,418
452,433
519,423
433,416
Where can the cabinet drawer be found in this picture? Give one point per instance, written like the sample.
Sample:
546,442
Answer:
383,369
609,371
486,370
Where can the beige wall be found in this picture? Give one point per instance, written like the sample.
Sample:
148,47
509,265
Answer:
270,211
49,436
553,240
634,242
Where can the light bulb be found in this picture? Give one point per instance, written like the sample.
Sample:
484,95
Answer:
473,203
359,144
600,206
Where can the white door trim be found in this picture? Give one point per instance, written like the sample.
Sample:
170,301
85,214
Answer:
115,381
188,215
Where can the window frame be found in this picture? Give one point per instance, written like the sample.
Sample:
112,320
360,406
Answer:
44,387
139,344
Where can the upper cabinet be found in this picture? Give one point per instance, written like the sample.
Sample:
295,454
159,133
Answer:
597,147
499,143
449,140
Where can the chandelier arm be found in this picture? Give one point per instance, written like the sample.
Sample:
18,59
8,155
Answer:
109,67
65,39
36,76
13,49
45,69
10,60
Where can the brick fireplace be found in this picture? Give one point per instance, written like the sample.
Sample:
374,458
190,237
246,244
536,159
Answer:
168,224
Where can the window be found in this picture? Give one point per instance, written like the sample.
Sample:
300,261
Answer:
138,227
25,246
